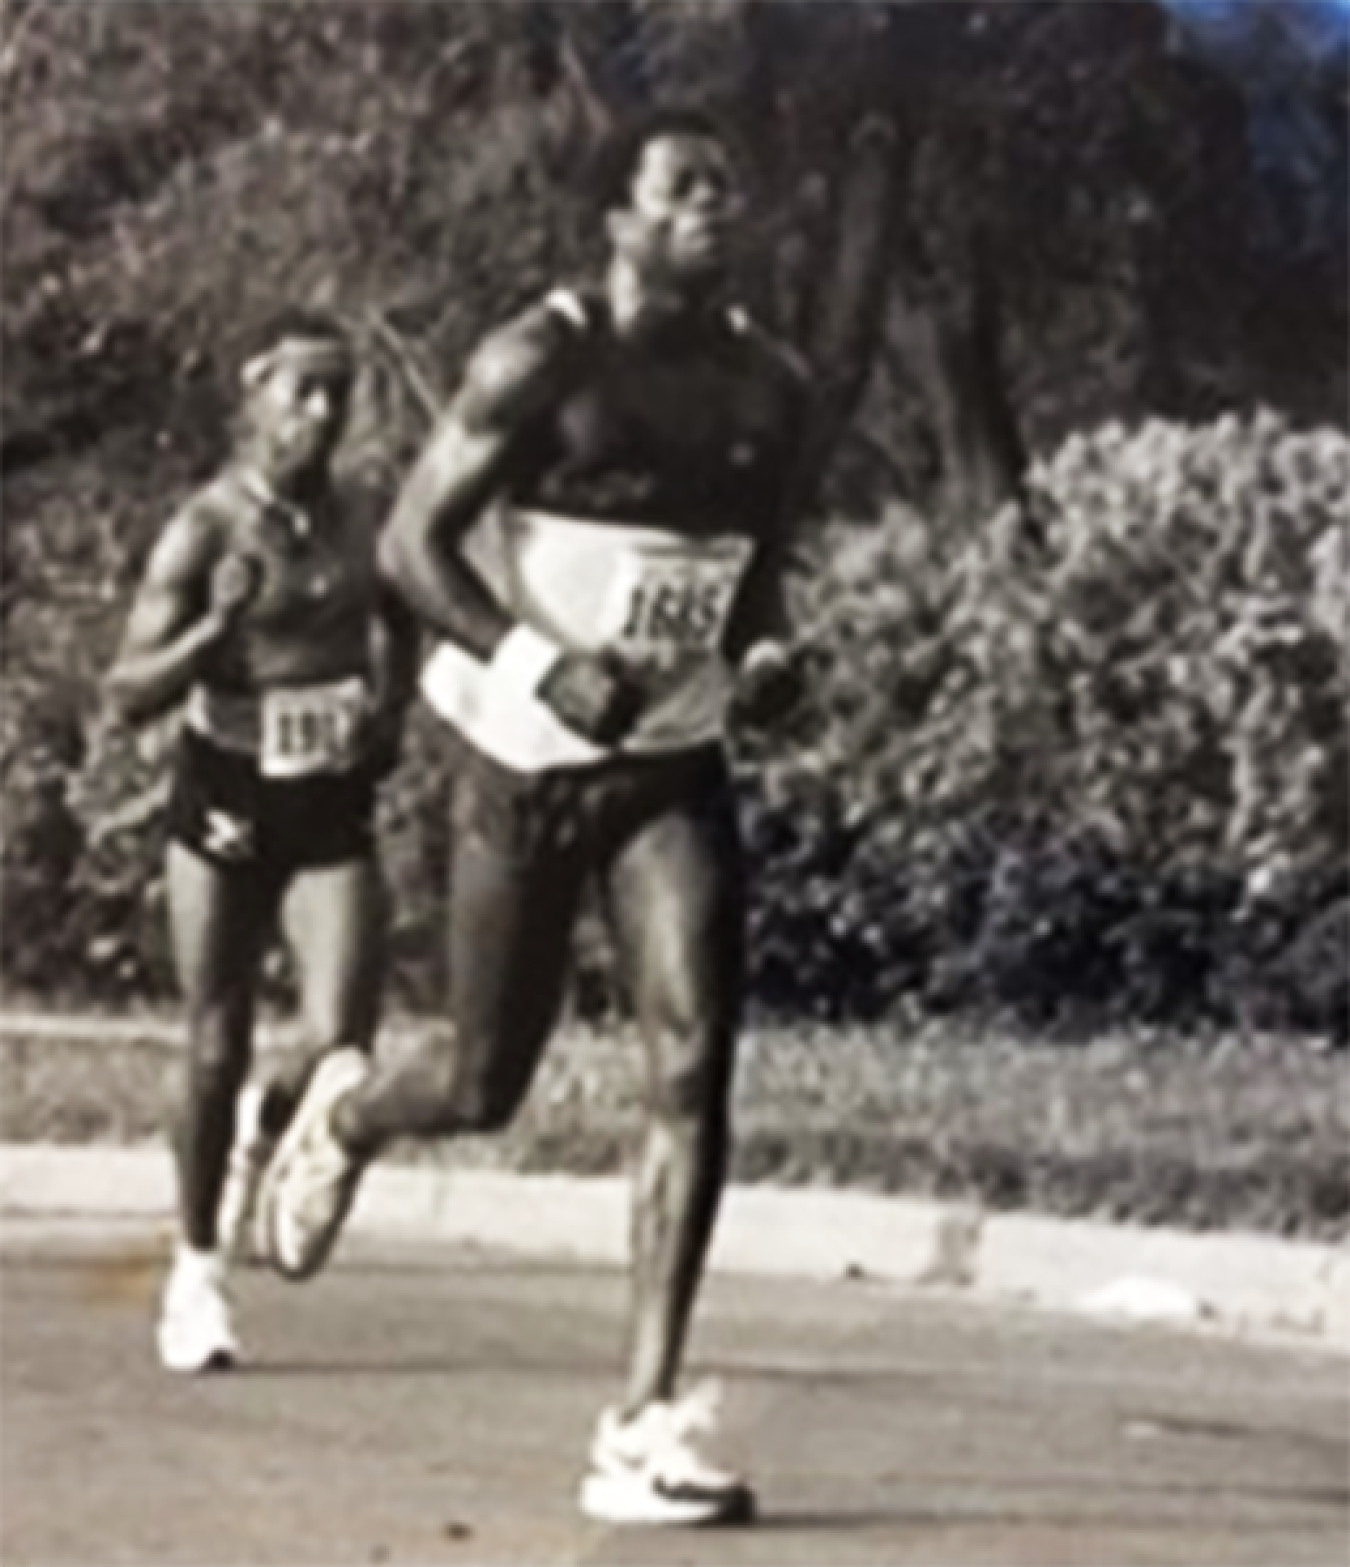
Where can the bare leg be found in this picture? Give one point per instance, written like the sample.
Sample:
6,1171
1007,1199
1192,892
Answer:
334,922
510,927
676,897
513,899
218,922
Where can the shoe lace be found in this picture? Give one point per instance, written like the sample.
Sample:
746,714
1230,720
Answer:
327,1163
677,1425
323,1162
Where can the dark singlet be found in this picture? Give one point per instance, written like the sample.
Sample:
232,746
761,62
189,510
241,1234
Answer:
292,728
567,557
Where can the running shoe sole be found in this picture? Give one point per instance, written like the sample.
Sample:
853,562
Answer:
219,1360
616,1499
311,1112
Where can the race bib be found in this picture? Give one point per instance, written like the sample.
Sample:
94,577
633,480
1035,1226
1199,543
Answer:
661,612
312,729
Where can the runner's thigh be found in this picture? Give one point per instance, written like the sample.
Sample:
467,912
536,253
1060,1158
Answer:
218,923
514,893
677,903
334,920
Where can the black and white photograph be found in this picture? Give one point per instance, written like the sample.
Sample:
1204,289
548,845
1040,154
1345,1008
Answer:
674,783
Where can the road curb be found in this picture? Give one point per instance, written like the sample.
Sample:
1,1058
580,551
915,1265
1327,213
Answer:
1234,1283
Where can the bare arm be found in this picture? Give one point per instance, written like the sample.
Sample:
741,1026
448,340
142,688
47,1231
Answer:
770,682
762,614
471,460
395,646
467,464
184,608
395,649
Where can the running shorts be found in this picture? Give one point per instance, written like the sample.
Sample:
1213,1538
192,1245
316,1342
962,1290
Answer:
223,809
590,811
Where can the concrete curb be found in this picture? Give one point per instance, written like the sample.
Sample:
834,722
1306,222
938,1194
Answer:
1232,1283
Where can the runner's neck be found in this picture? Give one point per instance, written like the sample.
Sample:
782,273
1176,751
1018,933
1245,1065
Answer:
640,306
301,517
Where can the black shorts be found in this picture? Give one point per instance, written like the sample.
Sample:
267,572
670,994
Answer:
223,809
588,812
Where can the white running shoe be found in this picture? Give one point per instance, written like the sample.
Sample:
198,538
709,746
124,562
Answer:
195,1333
312,1181
250,1156
647,1470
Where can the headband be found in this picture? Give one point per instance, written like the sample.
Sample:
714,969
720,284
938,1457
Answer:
320,353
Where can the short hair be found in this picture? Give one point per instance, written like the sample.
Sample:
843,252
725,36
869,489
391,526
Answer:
293,321
617,161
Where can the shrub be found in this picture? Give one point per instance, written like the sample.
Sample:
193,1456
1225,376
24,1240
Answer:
1088,765
1090,760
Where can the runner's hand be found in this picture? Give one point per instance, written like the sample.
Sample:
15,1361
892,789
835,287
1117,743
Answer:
591,697
769,685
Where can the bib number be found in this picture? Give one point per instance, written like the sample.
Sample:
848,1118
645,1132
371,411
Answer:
662,613
312,729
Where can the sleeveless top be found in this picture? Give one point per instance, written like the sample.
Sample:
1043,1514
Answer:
656,596
294,730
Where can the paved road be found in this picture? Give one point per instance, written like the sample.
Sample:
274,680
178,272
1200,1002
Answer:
429,1406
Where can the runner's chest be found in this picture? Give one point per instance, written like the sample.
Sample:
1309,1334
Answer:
703,446
308,585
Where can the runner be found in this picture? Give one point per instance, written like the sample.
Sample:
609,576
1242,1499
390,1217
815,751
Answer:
261,610
596,532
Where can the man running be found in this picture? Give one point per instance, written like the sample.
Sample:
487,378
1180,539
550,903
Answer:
261,609
596,533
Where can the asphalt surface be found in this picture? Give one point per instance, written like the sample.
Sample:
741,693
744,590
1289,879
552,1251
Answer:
427,1404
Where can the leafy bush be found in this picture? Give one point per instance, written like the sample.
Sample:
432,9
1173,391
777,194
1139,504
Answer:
1093,759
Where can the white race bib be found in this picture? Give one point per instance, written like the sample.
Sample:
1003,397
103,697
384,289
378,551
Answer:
312,729
659,600
660,612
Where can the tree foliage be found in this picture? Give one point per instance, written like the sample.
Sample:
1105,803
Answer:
1092,759
987,227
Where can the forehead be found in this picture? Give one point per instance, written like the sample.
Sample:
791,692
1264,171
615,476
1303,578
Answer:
291,363
668,156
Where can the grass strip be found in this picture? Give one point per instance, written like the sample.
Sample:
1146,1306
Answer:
1151,1128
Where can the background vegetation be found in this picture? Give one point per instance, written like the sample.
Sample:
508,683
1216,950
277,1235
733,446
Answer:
1136,1125
1073,281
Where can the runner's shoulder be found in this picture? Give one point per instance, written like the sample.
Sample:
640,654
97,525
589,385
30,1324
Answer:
521,368
774,355
198,532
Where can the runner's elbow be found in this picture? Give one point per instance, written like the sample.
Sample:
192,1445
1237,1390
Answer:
117,695
123,698
389,556
404,548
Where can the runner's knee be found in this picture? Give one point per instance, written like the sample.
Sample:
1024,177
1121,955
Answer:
328,1031
219,1055
454,1097
479,1103
689,1085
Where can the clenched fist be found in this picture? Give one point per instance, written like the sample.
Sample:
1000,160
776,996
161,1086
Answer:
591,697
769,685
